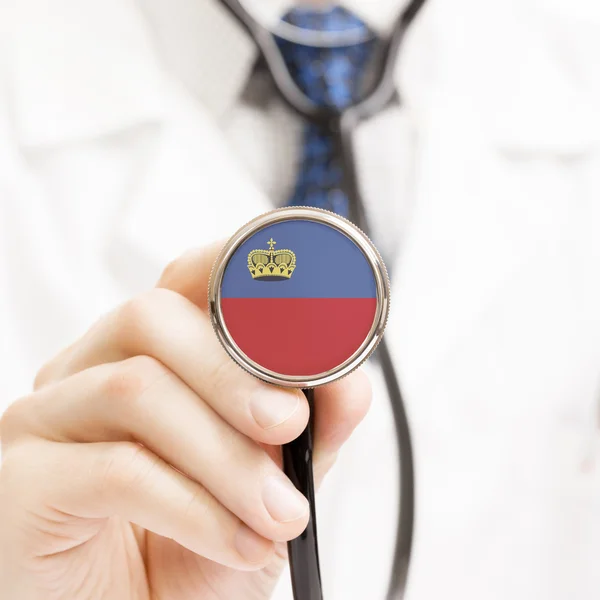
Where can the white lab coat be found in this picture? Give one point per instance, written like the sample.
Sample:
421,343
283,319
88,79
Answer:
128,134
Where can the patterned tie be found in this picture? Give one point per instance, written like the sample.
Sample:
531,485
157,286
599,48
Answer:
331,77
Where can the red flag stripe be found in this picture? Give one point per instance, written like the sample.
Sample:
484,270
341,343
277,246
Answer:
299,336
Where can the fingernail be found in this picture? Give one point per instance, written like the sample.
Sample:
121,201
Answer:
251,546
273,407
283,501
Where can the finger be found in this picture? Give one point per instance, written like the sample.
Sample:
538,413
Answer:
140,400
171,329
45,484
188,275
340,407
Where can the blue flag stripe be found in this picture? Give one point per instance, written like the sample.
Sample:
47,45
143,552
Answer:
328,265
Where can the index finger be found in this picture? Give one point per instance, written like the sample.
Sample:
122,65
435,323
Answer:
188,275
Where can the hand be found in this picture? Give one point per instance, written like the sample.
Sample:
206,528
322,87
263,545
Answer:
145,464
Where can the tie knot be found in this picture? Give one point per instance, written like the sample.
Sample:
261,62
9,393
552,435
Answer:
330,76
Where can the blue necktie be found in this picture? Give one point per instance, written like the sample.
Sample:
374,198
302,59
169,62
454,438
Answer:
330,77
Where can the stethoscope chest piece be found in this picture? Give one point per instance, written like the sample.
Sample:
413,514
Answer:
299,297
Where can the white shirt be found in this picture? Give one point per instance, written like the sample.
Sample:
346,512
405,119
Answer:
128,133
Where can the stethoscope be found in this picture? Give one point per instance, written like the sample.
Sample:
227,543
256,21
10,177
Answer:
304,561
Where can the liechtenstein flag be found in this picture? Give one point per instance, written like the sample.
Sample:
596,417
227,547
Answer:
299,297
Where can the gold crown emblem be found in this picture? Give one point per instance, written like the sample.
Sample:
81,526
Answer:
271,265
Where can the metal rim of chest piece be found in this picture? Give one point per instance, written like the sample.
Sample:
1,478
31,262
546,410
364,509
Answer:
351,231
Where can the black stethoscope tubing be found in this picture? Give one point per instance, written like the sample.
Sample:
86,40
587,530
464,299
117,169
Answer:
304,560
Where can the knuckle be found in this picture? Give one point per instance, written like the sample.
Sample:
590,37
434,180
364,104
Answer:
234,448
51,370
227,379
127,382
134,318
171,271
218,376
12,419
201,506
137,319
43,375
174,275
146,369
125,466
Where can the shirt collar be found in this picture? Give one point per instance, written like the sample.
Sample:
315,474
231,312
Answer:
84,68
378,14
